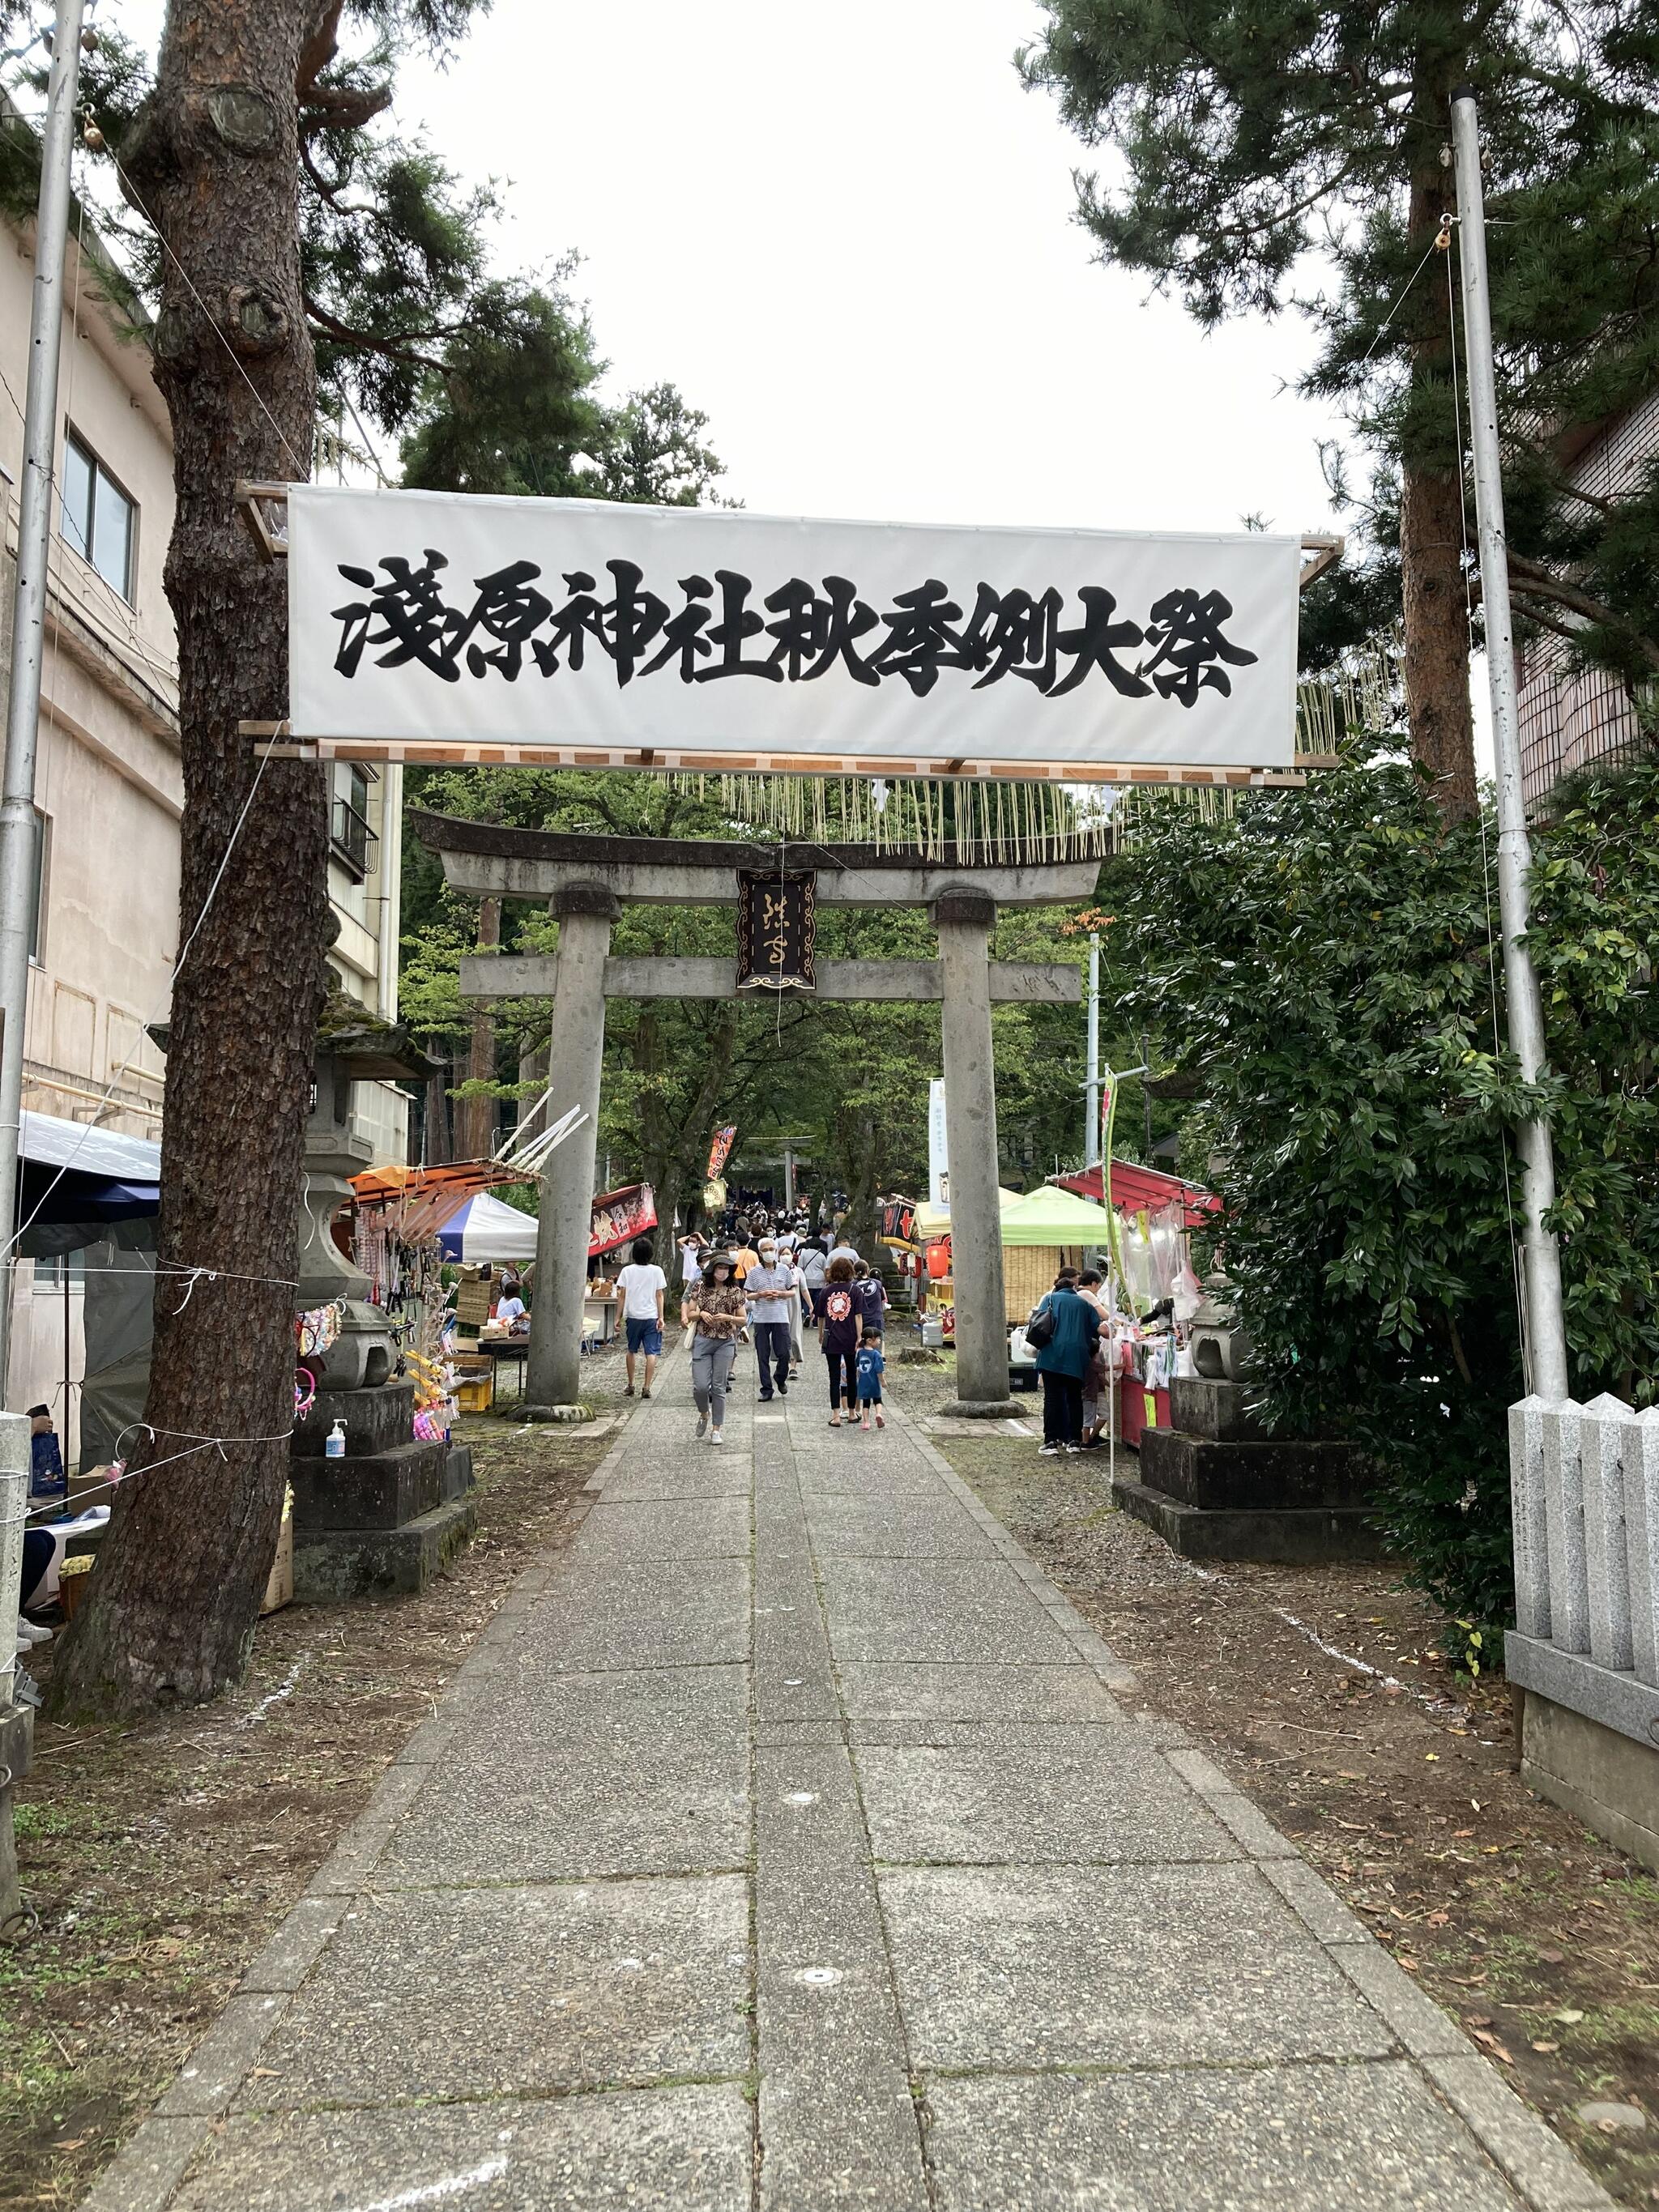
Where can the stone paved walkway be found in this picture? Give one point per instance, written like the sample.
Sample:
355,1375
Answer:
783,1845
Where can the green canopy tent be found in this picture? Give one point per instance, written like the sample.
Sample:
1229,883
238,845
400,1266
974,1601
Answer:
1053,1216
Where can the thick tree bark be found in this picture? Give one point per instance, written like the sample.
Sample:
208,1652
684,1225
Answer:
1437,643
480,1116
170,1613
440,1149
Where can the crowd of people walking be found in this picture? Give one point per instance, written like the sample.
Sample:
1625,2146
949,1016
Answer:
774,1289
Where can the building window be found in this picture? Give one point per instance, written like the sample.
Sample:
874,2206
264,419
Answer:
348,830
99,520
61,1271
37,897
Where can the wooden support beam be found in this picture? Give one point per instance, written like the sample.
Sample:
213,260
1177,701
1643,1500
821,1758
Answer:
531,975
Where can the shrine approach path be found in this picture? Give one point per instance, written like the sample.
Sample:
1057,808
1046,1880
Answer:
789,1842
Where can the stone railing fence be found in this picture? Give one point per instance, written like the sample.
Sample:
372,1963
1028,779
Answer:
1584,1485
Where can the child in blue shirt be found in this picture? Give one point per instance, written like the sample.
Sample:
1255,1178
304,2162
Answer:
870,1368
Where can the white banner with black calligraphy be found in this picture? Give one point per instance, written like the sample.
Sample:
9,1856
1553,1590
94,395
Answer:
525,628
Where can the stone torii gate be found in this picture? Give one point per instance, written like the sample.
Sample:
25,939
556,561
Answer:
586,881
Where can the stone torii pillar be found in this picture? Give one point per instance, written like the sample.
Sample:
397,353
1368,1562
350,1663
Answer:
586,912
964,918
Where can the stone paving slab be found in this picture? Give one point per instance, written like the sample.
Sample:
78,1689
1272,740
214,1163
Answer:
485,1992
1058,1689
665,1528
907,1526
787,1823
942,1612
1024,1967
556,1810
541,1702
1316,2138
646,1612
689,2148
1031,1804
721,1474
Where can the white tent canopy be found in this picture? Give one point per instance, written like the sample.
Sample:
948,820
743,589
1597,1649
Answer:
485,1228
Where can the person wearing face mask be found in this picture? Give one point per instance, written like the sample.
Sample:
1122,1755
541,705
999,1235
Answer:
767,1286
715,1311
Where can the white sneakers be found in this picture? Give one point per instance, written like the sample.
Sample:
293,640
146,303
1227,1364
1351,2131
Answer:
715,1437
27,1633
702,1426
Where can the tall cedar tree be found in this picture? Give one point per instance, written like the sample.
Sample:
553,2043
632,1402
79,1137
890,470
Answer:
283,236
1242,138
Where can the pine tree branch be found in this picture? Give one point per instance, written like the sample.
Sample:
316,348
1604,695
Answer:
366,342
1531,581
1277,219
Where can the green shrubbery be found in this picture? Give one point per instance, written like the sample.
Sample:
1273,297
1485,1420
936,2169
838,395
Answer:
1328,961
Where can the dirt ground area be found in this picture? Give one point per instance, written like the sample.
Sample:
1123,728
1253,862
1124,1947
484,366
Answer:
1325,1691
158,1860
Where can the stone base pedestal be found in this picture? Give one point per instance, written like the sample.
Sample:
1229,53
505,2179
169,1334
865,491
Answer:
985,1409
1601,1776
1215,1488
347,1563
387,1516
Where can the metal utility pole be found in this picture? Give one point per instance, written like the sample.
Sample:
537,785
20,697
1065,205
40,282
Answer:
1091,1087
1545,1334
18,830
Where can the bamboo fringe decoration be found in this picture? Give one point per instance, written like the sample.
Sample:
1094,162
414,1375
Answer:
1015,823
935,818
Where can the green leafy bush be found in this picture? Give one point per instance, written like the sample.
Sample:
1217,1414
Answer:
1328,961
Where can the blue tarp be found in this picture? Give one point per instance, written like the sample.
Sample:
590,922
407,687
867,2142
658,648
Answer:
73,1175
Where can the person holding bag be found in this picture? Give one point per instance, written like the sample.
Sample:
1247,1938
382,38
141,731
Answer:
1063,1332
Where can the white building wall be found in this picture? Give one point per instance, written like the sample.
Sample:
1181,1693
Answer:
110,787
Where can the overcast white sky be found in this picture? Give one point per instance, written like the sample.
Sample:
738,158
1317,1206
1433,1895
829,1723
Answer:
847,233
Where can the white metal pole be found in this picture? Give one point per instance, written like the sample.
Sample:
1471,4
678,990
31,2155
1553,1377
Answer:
1091,1088
1545,1345
18,828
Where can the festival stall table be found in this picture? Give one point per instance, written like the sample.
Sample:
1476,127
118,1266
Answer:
599,1310
504,1349
1157,1213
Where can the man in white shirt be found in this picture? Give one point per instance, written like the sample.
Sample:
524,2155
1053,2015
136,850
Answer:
641,1285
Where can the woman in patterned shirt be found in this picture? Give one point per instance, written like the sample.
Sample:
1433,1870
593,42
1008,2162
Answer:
715,1311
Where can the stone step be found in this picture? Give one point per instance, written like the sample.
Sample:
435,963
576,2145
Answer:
380,1490
375,1420
1295,1535
331,1564
1233,1475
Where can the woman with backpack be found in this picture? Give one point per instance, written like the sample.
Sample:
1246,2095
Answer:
1063,1332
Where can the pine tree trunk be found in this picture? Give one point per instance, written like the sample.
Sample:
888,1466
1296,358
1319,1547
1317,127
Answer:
1436,642
440,1150
481,1115
170,1615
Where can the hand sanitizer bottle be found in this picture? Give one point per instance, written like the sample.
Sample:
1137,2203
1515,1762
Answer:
335,1446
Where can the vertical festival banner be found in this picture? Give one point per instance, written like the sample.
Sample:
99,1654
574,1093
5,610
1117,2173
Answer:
938,1162
720,1149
